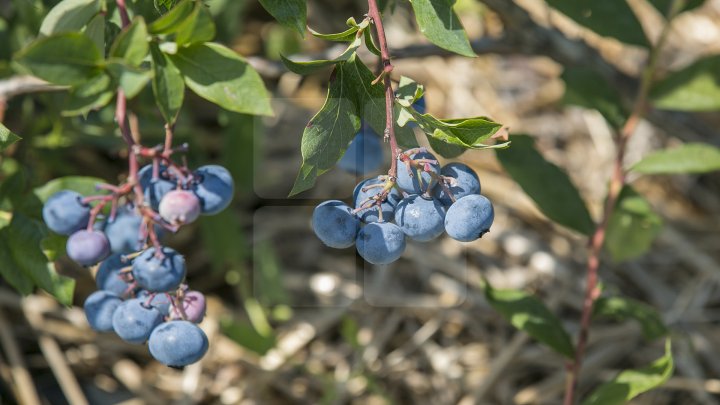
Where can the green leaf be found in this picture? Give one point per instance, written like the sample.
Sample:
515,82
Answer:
197,28
329,132
54,245
439,23
468,133
586,88
80,184
69,15
245,334
445,150
219,75
171,21
548,185
65,59
23,239
95,30
663,6
93,94
631,383
370,43
9,270
131,79
307,67
694,88
633,226
610,18
7,137
346,36
688,158
530,315
168,85
290,13
621,309
132,44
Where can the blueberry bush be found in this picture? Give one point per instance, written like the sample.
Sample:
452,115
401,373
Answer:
120,75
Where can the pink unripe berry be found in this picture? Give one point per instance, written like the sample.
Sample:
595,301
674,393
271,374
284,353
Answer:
179,207
191,308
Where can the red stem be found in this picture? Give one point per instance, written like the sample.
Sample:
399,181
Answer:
374,14
123,13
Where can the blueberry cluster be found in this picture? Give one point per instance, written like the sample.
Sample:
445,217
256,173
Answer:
141,292
422,202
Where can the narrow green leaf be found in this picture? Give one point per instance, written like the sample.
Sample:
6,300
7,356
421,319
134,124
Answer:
93,94
621,309
24,237
439,23
370,43
663,6
65,59
633,226
9,270
694,88
586,88
131,79
132,44
171,21
247,336
290,13
328,133
168,85
688,158
468,133
610,18
95,30
69,15
531,316
7,137
80,184
220,75
308,67
197,28
345,36
631,383
548,185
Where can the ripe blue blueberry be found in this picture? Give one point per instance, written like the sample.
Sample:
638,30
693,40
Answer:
123,231
88,247
133,321
192,308
179,207
178,343
159,274
421,180
466,182
364,154
155,189
419,218
99,309
381,242
64,212
387,206
109,278
215,188
469,218
335,224
159,301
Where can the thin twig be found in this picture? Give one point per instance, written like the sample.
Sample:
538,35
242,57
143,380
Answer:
21,376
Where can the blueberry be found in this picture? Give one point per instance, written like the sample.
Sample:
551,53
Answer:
467,182
159,301
178,343
420,181
109,278
364,154
387,206
159,274
419,218
381,242
123,231
215,188
335,224
64,212
134,322
88,247
155,189
192,307
469,218
179,207
99,308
